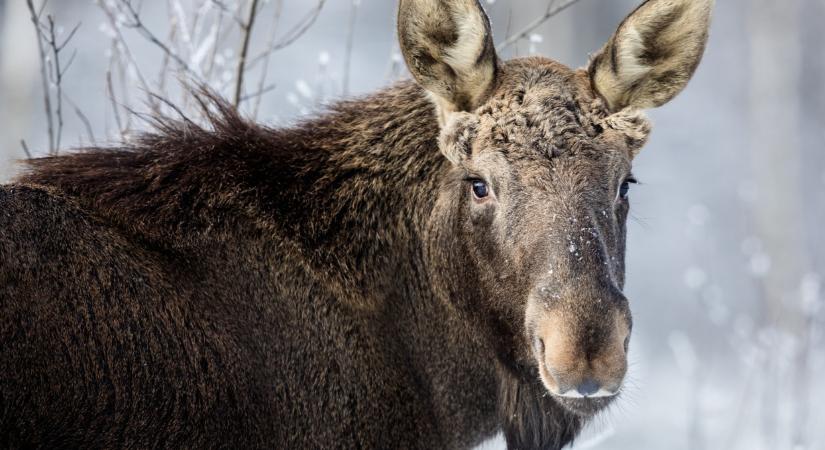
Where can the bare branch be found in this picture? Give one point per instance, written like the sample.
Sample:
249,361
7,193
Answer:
174,107
138,25
35,18
58,72
551,12
164,65
113,99
220,5
52,70
80,115
510,18
198,21
293,34
216,33
259,92
40,11
246,29
350,40
178,19
25,149
272,36
119,39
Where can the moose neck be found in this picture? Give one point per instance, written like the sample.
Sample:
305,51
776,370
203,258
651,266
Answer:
366,178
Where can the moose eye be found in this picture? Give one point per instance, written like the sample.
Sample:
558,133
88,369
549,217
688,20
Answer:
480,189
624,189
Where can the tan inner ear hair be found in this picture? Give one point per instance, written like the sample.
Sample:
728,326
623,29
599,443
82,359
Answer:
449,51
473,77
653,54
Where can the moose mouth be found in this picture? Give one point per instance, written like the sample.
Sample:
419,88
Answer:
585,401
584,406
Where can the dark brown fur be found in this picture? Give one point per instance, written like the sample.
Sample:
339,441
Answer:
236,288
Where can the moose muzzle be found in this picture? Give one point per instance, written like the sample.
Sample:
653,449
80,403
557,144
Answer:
580,346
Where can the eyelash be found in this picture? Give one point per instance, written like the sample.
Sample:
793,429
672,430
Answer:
623,191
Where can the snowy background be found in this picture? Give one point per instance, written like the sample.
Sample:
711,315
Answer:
726,253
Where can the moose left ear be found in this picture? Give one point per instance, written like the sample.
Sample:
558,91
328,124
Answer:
653,54
448,47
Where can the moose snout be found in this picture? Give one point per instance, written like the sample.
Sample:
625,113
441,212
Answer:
581,356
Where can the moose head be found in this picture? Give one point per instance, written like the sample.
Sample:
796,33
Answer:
528,231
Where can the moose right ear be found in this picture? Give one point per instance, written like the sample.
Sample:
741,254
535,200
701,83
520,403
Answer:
653,54
448,47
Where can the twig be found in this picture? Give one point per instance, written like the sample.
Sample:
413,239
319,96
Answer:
259,92
292,35
198,21
47,35
246,29
25,149
272,36
138,25
164,64
177,15
174,107
124,49
551,11
113,100
58,73
510,18
35,18
395,67
220,5
216,32
350,39
86,122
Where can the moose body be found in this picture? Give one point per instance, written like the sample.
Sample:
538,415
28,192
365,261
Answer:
420,268
173,314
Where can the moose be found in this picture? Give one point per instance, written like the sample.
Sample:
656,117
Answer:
424,267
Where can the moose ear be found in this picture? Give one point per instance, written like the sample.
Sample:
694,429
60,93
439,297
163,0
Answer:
448,47
653,54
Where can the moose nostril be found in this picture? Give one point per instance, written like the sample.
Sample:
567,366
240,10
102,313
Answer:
588,387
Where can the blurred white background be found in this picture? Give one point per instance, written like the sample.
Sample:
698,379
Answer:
726,252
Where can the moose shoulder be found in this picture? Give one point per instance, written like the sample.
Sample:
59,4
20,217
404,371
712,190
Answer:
421,268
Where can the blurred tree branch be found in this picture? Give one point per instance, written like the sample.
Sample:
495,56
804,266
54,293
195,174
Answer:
57,72
273,33
138,25
35,18
293,34
52,72
246,30
350,40
525,32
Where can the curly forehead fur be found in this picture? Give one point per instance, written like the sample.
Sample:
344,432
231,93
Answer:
541,108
